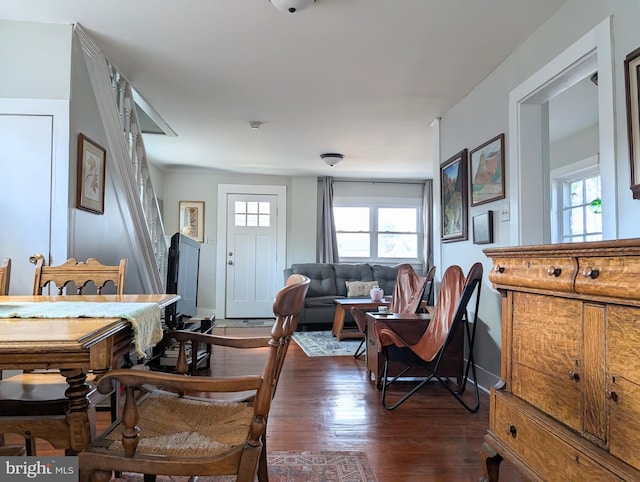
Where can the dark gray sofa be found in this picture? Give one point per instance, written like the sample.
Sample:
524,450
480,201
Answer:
328,282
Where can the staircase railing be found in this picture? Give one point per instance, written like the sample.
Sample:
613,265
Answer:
114,96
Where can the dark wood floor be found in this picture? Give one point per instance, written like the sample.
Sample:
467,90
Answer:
326,403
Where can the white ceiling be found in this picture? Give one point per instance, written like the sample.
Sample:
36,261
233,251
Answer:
364,78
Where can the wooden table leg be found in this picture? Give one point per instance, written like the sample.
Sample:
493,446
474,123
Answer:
338,321
80,416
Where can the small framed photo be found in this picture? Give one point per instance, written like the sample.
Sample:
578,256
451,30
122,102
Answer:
486,169
91,175
453,192
483,228
191,219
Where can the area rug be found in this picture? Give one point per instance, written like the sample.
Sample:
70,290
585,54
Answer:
297,467
323,343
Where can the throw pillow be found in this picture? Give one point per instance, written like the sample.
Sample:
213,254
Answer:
359,288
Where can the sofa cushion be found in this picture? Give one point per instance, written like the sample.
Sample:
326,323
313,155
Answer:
385,276
351,272
323,282
359,289
321,302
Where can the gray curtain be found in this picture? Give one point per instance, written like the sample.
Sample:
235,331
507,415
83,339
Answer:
427,217
327,242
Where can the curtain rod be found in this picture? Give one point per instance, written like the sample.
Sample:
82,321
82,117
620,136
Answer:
378,181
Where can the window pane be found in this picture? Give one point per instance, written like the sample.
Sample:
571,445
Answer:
397,246
252,207
594,221
351,219
592,188
352,245
252,219
240,220
576,220
576,193
594,237
240,207
397,219
264,220
264,207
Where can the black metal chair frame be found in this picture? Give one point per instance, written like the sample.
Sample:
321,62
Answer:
407,356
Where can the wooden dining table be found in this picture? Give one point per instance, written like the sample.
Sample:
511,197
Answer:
75,346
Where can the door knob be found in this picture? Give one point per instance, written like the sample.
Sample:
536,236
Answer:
33,259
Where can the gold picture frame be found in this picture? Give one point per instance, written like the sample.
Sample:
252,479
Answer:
191,219
91,175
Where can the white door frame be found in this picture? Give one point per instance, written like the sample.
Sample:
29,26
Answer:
527,115
223,190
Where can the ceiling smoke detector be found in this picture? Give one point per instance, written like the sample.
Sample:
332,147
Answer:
331,158
291,6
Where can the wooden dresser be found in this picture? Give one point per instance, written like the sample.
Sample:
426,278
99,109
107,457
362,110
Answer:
568,405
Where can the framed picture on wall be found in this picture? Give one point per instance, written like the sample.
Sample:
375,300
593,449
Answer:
453,193
191,219
91,175
486,169
632,76
482,227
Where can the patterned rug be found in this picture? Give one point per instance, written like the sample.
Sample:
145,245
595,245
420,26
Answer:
298,467
323,343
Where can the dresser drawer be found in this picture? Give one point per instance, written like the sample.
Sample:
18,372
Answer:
546,351
534,272
617,277
550,450
624,421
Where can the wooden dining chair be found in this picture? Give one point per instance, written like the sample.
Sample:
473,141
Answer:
34,404
80,274
176,435
5,276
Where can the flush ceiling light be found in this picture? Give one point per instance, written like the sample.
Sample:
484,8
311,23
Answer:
331,158
291,6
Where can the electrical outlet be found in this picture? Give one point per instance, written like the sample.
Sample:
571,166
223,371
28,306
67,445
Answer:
504,212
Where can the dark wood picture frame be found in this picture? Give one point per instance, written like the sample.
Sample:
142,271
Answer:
92,168
453,197
482,228
486,171
632,80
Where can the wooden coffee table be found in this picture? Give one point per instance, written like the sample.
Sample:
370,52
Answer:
343,305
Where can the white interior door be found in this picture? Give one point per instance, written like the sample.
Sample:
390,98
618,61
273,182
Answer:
25,197
251,255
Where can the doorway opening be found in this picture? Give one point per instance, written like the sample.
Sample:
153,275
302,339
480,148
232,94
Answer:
529,128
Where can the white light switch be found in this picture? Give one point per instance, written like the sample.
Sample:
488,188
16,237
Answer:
504,212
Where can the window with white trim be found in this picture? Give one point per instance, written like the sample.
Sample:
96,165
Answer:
578,206
378,232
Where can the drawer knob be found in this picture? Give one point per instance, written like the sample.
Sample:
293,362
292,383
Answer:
511,430
574,376
610,395
590,272
499,269
553,271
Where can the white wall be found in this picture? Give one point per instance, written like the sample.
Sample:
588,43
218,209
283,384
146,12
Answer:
574,148
203,186
35,60
483,113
